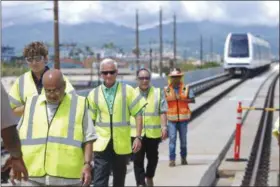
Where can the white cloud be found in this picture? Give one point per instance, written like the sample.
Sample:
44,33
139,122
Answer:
123,12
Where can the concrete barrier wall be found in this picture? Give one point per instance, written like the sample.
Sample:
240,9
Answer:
191,76
197,75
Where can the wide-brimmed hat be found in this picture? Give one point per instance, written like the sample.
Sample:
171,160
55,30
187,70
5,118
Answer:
176,72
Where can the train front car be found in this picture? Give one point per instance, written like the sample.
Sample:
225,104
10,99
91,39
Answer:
245,54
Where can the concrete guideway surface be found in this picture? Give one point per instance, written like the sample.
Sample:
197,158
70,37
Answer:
207,137
231,173
275,155
208,95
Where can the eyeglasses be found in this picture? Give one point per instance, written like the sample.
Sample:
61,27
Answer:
34,58
55,91
144,78
108,72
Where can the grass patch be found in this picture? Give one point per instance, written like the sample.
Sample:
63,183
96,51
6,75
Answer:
12,69
188,66
191,67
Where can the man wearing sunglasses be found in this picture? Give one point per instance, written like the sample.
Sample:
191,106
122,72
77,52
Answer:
154,129
111,105
178,97
30,83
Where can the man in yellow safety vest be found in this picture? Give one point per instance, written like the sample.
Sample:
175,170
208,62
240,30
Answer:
57,136
30,83
111,105
154,128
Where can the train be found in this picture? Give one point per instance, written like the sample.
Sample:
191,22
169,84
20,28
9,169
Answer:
246,54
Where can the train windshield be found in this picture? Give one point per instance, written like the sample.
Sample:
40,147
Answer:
238,46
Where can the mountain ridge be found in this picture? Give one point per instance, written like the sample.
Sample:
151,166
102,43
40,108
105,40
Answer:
97,34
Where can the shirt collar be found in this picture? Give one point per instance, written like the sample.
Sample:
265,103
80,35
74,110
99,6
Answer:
111,88
35,78
146,91
44,99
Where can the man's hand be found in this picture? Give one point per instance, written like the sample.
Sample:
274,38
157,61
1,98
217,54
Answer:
18,169
86,175
18,111
164,133
136,145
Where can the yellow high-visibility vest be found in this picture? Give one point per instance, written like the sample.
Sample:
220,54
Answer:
24,87
53,149
276,128
117,124
151,115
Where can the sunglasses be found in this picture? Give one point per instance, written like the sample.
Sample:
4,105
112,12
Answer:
144,78
34,58
108,72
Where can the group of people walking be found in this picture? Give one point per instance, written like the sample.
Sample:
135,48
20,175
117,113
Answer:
70,140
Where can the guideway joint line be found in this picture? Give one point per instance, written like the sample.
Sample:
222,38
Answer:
259,108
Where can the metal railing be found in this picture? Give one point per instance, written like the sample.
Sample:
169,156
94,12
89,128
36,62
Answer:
197,86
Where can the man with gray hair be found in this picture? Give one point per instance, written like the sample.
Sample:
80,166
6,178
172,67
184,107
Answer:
111,105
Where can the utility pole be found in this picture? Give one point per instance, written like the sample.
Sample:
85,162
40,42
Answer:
98,66
56,36
151,57
201,49
185,55
174,41
211,49
160,42
137,40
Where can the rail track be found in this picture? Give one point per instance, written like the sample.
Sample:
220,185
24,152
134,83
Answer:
257,166
257,169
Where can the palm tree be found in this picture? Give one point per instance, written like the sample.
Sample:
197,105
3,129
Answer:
89,52
134,51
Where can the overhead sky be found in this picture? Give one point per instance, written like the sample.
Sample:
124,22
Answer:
123,12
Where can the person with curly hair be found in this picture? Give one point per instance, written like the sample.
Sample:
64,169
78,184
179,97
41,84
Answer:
30,83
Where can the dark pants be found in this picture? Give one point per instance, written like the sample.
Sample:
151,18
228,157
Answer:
103,163
150,149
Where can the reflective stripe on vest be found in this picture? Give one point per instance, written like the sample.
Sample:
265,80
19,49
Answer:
115,126
151,120
124,121
27,87
178,109
21,87
57,143
14,101
67,141
138,98
120,123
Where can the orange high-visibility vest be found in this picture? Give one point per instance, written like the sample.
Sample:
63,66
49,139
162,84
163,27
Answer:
178,108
